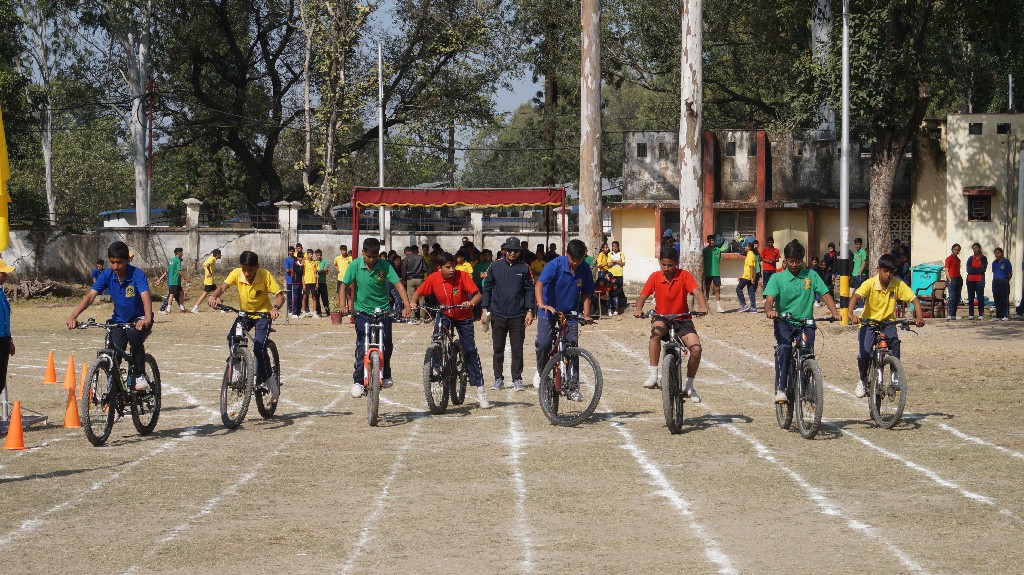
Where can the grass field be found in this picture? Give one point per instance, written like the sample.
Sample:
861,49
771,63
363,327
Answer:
315,490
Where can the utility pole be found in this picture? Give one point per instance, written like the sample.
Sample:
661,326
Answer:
691,194
844,266
590,126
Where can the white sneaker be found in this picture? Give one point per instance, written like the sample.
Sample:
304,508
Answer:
357,390
652,381
498,383
181,308
692,394
481,396
142,384
719,305
780,396
536,380
970,317
163,311
294,316
950,318
275,389
860,390
195,309
387,383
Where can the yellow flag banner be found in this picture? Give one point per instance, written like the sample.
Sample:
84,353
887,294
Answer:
5,198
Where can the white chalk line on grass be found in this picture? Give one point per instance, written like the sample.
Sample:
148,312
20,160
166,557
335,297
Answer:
171,390
37,448
514,440
859,402
928,473
381,500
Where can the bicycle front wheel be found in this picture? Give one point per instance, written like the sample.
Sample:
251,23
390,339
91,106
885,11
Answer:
575,379
236,388
888,394
97,397
809,400
459,377
373,391
784,411
672,392
434,387
146,405
263,403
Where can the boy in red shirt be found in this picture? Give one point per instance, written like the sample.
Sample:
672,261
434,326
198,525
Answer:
453,287
769,261
670,287
956,281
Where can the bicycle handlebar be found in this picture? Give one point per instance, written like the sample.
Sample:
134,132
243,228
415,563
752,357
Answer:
251,314
672,316
91,322
903,324
573,316
788,318
442,308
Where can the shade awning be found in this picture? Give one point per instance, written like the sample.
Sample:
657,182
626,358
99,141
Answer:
979,191
492,198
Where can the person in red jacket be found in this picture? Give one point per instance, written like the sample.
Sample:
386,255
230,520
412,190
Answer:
769,261
956,281
977,265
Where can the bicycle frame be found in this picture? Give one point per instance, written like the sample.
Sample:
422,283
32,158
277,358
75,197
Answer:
559,346
373,336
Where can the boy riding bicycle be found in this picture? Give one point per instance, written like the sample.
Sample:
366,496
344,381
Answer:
129,291
793,291
454,287
254,288
880,294
670,287
558,289
370,276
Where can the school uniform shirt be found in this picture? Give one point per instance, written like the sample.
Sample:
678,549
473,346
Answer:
208,266
479,273
859,257
342,262
126,294
880,302
749,266
603,261
563,287
952,266
459,289
712,260
321,271
465,267
5,315
769,254
309,271
614,257
254,297
174,272
1001,269
537,267
289,270
976,266
670,294
794,294
371,284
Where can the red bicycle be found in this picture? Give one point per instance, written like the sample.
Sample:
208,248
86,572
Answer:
373,361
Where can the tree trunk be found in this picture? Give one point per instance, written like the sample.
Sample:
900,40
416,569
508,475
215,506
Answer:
885,165
590,126
691,195
135,39
307,108
46,139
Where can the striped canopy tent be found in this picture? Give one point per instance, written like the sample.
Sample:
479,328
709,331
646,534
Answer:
438,197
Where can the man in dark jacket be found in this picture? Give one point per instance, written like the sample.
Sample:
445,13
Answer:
508,301
414,269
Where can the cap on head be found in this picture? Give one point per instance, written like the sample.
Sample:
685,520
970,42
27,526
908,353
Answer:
512,243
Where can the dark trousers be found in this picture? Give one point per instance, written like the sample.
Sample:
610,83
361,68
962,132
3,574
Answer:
259,342
310,293
866,341
515,330
785,333
325,299
123,337
976,290
745,284
765,276
288,293
617,297
467,341
357,367
953,300
5,356
547,326
296,298
1001,296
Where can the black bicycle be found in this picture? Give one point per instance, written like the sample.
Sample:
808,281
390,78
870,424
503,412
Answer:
241,378
887,390
672,365
444,371
571,374
108,389
804,385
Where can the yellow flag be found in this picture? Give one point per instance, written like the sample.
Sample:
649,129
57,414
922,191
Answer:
5,198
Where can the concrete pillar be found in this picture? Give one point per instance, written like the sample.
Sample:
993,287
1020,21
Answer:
288,223
476,219
192,206
385,229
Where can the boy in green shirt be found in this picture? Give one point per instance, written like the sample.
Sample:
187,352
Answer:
712,275
860,264
369,276
794,290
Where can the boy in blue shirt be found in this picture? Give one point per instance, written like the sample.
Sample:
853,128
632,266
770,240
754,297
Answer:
289,276
129,290
558,289
6,343
1002,273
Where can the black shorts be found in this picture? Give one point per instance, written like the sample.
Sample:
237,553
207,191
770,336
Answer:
683,327
708,280
209,288
175,291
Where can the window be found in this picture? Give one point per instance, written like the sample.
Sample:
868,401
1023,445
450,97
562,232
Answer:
730,148
752,148
1003,128
732,222
979,208
641,150
974,128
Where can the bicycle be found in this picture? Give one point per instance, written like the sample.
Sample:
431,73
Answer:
566,376
804,385
887,391
241,378
373,361
107,390
672,365
444,371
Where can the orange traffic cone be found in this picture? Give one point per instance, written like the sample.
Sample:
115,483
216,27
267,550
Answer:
71,411
81,390
69,375
15,437
51,372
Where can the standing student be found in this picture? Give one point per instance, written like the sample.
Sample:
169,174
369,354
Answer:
309,275
208,284
1002,273
298,273
829,263
321,284
341,263
955,281
6,340
860,264
746,281
289,279
174,278
712,276
508,301
558,289
977,265
414,271
769,262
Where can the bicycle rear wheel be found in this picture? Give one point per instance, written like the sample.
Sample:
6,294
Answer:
458,367
236,387
263,403
784,411
97,411
373,390
434,387
888,394
809,400
146,405
672,392
579,389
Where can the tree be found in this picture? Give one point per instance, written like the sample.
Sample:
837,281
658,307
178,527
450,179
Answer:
691,117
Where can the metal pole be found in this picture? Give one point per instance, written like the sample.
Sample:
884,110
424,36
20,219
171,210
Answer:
844,265
380,134
1019,290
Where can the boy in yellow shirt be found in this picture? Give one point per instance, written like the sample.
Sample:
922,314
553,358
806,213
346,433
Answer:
461,264
747,281
880,294
208,283
255,285
309,273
